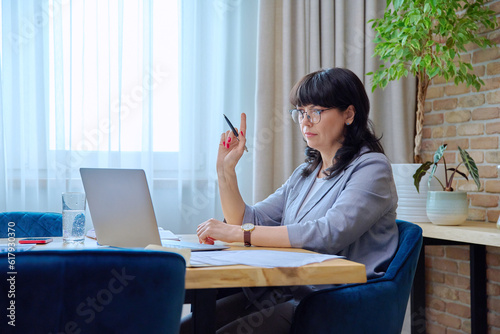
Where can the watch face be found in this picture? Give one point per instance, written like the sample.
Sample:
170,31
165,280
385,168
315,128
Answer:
247,227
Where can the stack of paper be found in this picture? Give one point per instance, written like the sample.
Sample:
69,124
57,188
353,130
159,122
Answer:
167,235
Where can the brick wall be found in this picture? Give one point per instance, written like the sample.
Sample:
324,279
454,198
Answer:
448,289
461,116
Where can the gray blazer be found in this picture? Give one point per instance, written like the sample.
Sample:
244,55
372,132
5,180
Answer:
352,214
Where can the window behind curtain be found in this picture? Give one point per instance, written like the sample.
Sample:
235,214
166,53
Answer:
106,86
61,88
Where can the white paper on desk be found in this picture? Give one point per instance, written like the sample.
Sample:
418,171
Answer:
167,235
259,258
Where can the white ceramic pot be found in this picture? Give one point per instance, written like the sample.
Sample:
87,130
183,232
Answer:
447,207
411,204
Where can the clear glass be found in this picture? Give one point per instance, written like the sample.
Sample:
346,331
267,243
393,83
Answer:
73,211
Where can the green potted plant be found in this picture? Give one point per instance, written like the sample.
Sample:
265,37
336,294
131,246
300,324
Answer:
447,207
425,38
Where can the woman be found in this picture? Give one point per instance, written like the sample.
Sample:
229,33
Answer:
342,200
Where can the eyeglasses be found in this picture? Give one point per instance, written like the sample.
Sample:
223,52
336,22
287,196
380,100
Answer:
314,116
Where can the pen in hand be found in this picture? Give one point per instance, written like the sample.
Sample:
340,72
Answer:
234,130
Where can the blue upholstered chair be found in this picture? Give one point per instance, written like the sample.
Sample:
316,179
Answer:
32,224
375,307
93,291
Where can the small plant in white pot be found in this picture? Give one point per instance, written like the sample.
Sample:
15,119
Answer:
447,207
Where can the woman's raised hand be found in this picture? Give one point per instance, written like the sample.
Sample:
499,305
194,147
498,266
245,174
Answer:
230,149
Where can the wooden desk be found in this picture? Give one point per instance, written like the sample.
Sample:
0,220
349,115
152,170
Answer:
474,234
336,271
202,282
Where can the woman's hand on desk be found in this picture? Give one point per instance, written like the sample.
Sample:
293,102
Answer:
214,229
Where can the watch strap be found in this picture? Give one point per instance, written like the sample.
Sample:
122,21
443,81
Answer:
246,238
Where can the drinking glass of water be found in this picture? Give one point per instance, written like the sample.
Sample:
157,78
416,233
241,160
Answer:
73,211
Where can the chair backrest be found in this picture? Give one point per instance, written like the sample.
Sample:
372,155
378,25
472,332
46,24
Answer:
404,264
377,306
410,242
93,291
31,224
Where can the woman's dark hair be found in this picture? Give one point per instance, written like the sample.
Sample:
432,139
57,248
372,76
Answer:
338,88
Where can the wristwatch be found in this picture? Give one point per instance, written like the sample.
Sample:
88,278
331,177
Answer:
247,230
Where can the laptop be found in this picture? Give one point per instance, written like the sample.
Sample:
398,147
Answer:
122,211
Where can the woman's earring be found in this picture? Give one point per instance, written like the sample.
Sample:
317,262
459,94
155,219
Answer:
348,123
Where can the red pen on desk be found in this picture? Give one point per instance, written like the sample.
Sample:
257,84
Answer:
35,241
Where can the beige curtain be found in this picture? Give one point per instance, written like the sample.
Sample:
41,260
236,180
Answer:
297,37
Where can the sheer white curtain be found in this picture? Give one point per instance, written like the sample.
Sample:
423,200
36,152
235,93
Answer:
27,179
123,84
79,95
218,66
